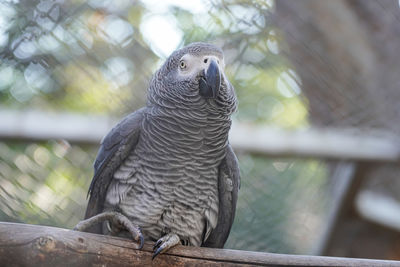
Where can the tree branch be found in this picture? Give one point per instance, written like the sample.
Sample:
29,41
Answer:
33,245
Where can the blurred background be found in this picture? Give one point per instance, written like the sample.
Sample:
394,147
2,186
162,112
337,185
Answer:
317,80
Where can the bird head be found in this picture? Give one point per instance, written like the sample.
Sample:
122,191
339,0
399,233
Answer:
195,73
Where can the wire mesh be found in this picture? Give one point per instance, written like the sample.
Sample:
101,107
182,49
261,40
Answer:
97,57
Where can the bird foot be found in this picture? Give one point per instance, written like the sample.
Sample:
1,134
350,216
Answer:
117,222
164,243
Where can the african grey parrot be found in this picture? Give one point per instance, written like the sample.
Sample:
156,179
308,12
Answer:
167,170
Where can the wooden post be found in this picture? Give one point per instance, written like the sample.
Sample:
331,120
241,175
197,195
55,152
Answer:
33,245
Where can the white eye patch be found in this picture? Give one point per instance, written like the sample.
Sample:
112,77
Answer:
190,65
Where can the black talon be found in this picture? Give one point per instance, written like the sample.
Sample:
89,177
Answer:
157,244
158,251
165,243
141,241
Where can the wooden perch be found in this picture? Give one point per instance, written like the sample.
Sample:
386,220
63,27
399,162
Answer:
33,245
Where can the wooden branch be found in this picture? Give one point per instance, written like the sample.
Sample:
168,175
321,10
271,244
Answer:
378,208
336,144
42,126
32,245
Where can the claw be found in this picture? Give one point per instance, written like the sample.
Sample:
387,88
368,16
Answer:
141,243
117,221
157,244
164,243
158,251
130,227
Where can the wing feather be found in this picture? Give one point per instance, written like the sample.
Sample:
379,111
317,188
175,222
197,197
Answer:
115,147
228,187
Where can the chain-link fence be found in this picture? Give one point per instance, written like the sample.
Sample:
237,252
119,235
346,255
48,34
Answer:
96,57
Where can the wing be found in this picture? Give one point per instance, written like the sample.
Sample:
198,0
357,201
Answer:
115,147
228,187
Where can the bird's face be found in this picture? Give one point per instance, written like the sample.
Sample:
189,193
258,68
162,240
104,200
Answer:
194,75
207,69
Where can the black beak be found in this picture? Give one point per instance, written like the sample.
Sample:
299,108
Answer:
210,83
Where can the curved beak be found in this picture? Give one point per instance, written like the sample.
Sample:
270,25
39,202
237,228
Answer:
210,83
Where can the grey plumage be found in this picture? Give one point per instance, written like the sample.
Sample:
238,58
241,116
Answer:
168,167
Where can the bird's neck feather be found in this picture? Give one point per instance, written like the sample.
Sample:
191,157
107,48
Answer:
196,129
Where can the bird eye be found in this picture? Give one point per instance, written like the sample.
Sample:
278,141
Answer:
182,65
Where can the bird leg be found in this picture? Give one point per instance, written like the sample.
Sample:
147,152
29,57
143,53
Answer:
164,243
118,222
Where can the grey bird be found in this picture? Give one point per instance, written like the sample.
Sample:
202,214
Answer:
167,172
